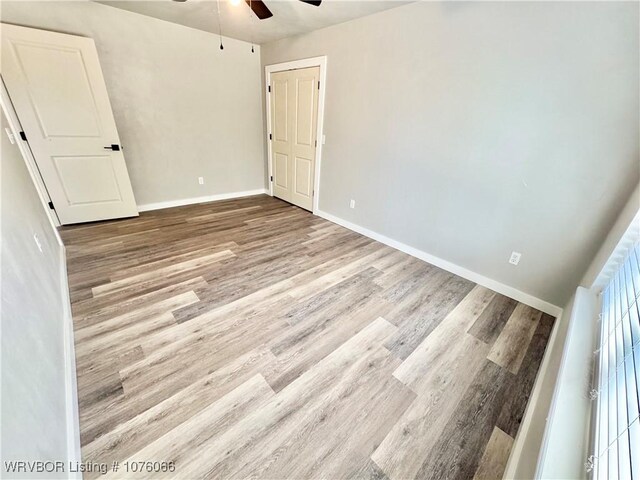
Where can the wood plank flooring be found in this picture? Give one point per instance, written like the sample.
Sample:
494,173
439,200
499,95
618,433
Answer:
250,339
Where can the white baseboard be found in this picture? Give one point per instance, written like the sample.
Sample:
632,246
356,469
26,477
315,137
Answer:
450,267
74,455
190,201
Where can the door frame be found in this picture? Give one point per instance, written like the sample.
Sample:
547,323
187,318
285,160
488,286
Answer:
296,65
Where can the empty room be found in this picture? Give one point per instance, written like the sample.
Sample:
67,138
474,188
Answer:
320,239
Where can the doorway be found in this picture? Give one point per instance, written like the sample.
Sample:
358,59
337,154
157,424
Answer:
295,106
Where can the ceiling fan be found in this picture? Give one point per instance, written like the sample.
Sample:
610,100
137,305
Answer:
262,11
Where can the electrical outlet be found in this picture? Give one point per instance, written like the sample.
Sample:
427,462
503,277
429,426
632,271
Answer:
201,180
352,204
37,240
515,258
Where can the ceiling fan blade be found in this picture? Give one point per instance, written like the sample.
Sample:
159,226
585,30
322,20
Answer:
259,8
315,3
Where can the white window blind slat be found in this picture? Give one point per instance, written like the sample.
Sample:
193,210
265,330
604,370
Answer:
623,419
635,324
612,453
617,426
636,361
602,467
613,410
624,458
626,336
634,447
619,345
635,269
632,389
631,295
602,441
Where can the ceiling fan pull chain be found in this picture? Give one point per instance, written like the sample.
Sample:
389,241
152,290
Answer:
251,24
219,24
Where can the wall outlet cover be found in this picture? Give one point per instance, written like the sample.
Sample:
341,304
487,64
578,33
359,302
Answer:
515,258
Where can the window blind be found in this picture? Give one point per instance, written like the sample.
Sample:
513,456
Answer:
617,424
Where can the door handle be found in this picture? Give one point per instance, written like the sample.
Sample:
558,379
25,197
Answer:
114,147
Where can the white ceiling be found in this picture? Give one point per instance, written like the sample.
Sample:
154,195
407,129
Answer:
290,17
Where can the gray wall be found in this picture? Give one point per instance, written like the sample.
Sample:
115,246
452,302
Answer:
471,129
34,425
183,108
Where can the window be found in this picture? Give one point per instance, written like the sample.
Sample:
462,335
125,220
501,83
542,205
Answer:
617,426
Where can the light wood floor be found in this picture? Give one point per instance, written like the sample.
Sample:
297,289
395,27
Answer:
249,338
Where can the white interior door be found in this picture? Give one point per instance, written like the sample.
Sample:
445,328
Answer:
294,117
56,86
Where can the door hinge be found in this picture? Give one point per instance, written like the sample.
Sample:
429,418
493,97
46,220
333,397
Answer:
51,206
269,88
270,137
23,136
316,143
318,84
271,178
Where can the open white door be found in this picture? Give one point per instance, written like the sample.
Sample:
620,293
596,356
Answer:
57,89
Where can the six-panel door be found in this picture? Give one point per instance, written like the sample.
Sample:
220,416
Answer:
294,114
